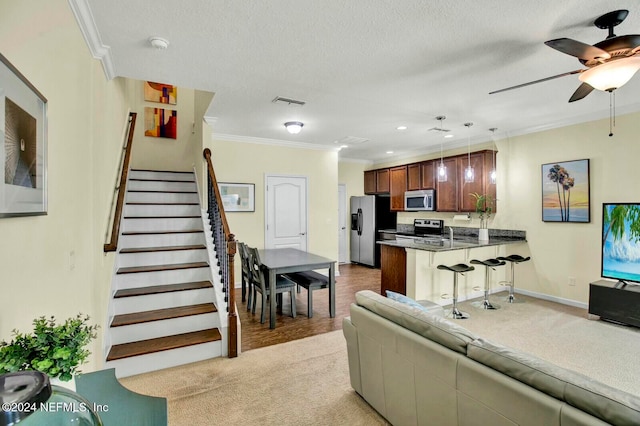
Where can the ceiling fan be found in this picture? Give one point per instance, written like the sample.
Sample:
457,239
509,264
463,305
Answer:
610,63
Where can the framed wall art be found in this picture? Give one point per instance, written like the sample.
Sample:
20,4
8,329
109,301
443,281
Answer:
159,92
565,192
161,123
23,111
237,197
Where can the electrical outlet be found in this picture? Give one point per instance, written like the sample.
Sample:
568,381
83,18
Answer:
72,260
572,281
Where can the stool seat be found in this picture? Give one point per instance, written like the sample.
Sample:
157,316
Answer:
460,267
492,263
515,258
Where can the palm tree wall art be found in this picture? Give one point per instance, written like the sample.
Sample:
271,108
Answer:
565,191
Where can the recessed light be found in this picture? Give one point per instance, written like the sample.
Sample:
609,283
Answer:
448,136
401,128
344,146
389,152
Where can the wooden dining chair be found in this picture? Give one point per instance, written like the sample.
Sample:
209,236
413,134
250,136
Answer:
259,284
246,274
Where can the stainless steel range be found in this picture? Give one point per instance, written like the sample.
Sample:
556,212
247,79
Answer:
428,227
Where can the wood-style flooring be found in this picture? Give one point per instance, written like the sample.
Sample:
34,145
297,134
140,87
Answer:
352,279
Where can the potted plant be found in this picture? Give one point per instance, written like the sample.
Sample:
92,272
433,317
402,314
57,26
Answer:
484,207
54,349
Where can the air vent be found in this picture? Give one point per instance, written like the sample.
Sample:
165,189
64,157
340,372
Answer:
351,140
288,101
439,129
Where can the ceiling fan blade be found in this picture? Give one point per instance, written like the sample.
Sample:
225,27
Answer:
583,90
537,81
578,49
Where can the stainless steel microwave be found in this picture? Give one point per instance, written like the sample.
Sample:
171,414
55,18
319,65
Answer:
424,200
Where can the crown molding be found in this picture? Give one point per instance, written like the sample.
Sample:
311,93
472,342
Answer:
87,24
274,142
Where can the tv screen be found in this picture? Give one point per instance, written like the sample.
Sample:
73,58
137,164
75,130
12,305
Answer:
621,241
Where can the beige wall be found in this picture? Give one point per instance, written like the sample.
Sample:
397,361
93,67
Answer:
249,163
86,118
164,153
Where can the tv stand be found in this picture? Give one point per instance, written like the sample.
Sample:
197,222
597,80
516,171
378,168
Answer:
617,302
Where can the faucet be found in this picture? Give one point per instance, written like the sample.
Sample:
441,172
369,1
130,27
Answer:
450,233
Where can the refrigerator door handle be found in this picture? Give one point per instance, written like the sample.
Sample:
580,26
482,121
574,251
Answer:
359,221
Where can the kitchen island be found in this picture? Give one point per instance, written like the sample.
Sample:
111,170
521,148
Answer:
409,265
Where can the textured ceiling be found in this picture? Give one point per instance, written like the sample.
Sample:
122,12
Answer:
365,67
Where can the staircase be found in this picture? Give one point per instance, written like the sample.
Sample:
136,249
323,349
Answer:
165,306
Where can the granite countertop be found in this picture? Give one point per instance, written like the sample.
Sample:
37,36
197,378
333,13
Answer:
443,244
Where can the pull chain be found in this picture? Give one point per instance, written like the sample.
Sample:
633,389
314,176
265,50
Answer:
612,112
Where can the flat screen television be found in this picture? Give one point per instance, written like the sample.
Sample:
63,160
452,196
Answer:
621,242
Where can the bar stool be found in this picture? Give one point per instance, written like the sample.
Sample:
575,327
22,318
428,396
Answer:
513,260
488,264
460,268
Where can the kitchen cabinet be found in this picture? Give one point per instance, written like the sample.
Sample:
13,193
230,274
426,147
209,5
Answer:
376,181
481,162
447,195
413,177
393,269
428,174
397,187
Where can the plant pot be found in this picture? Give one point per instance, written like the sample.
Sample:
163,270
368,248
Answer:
483,234
71,384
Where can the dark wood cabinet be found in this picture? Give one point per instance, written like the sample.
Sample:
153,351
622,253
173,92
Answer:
376,181
428,175
413,177
447,196
476,160
393,269
397,187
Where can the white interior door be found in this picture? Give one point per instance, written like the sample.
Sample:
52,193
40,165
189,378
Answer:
342,223
286,211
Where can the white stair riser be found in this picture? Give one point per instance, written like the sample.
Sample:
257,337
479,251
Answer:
174,224
143,185
161,210
165,359
145,279
161,197
154,329
127,305
161,258
148,174
161,240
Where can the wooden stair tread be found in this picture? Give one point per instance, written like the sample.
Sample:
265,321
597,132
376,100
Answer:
165,217
162,314
160,171
159,344
167,248
164,191
137,203
157,268
182,231
160,180
159,289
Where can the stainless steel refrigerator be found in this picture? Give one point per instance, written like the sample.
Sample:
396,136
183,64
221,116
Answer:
368,214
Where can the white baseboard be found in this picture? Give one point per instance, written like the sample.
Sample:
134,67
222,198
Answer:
555,299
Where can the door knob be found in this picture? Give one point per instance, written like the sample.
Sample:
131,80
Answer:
303,233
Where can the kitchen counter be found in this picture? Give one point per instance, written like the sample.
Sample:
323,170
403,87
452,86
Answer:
443,244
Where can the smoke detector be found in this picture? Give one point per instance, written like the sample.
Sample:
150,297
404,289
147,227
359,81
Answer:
159,43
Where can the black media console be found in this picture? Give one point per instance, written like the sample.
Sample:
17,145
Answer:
615,301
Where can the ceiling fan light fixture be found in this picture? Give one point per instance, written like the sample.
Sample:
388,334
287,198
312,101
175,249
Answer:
611,75
294,127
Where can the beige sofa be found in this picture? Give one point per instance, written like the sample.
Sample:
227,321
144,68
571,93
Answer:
418,368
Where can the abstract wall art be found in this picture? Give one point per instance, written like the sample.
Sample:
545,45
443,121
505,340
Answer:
160,123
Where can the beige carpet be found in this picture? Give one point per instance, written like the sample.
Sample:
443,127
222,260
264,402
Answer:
306,382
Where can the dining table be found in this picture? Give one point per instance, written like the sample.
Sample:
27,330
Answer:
286,260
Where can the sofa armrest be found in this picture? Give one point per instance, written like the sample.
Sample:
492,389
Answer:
353,354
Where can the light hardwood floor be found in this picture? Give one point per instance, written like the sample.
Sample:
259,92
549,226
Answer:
352,279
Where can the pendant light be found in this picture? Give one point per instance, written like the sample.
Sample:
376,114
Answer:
442,169
469,173
492,174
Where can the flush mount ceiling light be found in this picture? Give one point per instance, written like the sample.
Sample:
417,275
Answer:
293,127
159,43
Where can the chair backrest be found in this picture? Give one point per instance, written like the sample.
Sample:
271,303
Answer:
244,259
255,268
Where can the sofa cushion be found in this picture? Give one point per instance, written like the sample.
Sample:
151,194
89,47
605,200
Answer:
433,327
607,403
425,305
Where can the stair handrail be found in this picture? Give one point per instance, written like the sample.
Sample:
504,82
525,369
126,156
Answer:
225,247
121,187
